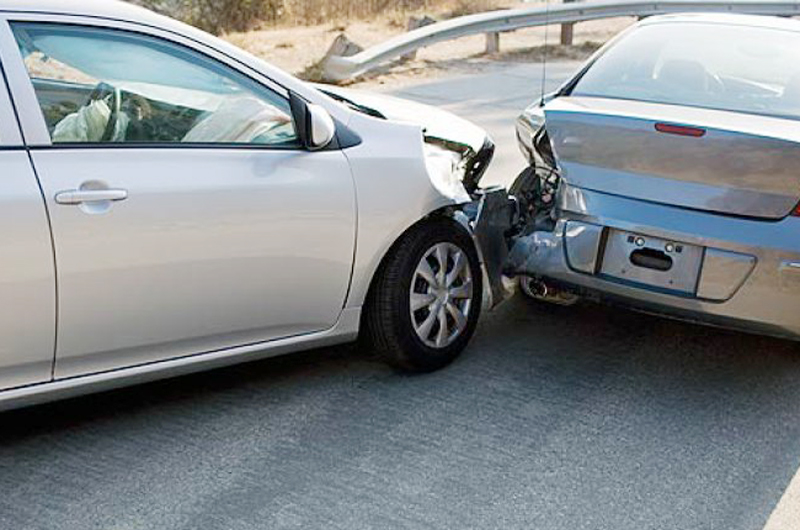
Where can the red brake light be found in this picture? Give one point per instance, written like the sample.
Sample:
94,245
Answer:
681,130
796,211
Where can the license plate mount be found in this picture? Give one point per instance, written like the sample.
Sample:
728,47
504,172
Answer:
652,261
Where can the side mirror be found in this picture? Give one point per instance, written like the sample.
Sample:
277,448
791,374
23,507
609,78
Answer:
322,127
314,125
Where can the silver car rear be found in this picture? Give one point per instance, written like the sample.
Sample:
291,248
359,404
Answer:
676,157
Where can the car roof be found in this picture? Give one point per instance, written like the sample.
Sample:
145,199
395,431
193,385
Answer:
108,9
115,10
102,8
727,19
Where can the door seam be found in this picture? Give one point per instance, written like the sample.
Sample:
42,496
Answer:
46,213
55,262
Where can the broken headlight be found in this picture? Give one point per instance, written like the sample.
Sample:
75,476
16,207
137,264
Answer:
464,165
446,169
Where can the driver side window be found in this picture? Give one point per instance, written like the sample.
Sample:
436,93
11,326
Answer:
111,86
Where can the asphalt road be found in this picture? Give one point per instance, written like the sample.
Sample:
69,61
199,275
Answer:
554,418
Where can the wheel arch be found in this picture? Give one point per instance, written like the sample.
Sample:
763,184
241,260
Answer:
451,213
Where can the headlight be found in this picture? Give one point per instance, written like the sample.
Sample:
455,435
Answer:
446,169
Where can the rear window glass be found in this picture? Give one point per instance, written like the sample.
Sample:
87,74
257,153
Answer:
727,67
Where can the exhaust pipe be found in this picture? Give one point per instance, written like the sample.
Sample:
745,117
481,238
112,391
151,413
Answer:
538,289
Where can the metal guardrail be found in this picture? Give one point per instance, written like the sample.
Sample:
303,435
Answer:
338,68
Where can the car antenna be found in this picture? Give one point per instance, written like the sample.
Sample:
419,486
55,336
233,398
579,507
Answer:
544,50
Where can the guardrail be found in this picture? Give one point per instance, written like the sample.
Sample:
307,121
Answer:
338,68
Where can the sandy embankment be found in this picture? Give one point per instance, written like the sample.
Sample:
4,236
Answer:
295,49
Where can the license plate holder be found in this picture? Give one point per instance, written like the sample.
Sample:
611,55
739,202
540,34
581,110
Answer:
652,261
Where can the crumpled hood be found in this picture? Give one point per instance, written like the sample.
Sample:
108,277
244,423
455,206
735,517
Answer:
435,122
456,149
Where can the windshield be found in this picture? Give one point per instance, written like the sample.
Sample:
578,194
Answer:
727,67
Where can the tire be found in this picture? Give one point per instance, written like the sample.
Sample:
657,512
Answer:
413,341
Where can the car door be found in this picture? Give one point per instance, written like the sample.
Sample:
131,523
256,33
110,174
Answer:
185,214
27,275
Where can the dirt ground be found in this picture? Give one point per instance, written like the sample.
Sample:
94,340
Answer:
298,49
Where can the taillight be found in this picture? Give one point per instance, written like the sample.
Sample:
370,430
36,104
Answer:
680,130
796,211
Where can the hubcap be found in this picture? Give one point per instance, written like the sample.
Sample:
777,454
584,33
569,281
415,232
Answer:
441,295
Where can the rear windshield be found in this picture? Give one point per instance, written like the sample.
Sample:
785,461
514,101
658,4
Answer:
727,67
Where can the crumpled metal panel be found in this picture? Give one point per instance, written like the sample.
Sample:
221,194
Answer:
491,224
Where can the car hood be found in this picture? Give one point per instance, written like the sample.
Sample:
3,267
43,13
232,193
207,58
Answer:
451,142
435,122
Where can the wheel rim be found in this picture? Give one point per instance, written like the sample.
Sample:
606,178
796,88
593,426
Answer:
441,295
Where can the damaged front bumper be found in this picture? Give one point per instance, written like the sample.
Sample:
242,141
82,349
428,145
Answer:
496,221
514,229
493,215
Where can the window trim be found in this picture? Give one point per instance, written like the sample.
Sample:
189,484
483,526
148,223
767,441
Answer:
32,122
10,134
175,146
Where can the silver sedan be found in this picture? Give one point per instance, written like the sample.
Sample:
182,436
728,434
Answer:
665,175
171,203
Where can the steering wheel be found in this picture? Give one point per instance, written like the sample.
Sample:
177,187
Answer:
101,92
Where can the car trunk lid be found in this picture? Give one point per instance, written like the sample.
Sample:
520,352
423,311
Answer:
718,161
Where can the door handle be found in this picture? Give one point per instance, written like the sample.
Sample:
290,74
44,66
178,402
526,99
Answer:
89,196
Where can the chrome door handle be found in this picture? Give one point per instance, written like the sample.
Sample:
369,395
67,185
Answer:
84,196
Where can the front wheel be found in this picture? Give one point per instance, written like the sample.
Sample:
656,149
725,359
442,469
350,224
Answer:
425,301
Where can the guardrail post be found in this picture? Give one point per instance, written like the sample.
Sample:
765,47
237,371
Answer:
416,23
567,30
492,42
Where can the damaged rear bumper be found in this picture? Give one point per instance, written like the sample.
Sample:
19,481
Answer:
738,273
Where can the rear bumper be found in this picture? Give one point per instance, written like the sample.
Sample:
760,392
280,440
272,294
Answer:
749,275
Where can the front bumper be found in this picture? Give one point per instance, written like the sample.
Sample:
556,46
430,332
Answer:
491,218
749,274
